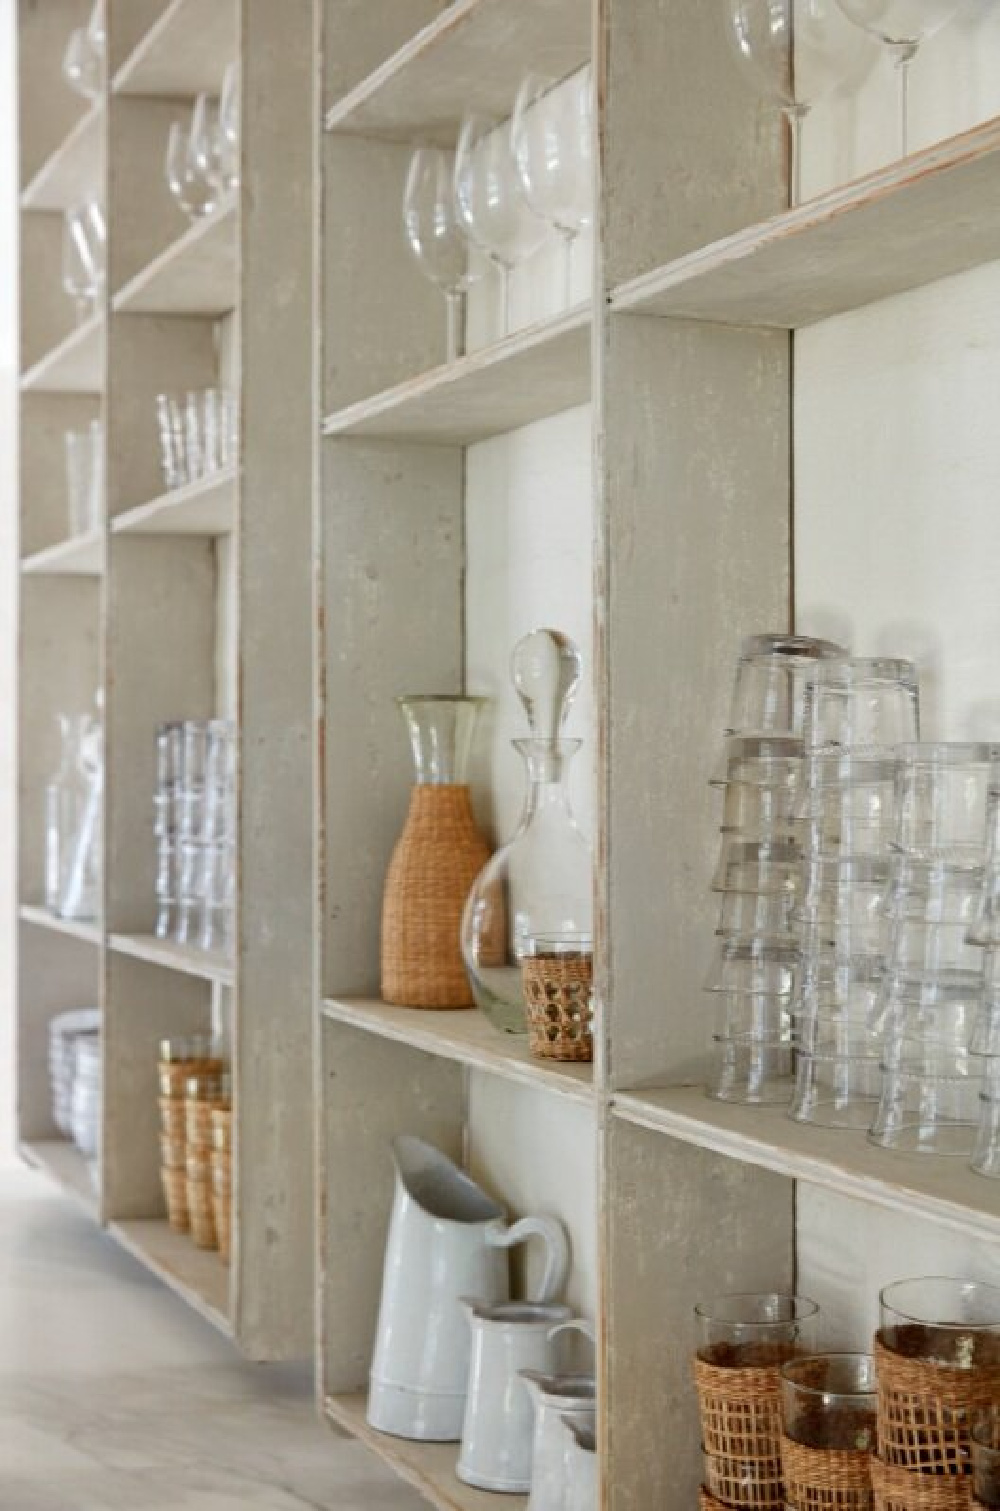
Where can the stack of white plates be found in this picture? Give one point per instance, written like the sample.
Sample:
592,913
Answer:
64,1031
85,1103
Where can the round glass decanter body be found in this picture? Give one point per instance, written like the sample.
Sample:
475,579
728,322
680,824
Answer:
538,884
440,730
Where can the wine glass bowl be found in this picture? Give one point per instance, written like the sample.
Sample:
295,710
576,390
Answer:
901,26
552,144
435,235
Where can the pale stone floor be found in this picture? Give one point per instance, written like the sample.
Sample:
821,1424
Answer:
114,1396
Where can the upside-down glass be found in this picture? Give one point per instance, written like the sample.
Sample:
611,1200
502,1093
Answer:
754,1329
901,26
829,1401
769,689
436,237
861,704
551,134
796,52
491,206
942,793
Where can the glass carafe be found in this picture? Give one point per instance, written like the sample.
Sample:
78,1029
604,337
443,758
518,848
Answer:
81,856
437,857
540,884
61,818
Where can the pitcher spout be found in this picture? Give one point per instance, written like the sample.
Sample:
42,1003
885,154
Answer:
438,1186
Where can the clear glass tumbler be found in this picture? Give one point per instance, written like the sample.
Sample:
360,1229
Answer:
755,1329
941,1320
829,1401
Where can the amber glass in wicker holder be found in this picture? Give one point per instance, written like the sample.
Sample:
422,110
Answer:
829,1413
436,860
557,974
897,1489
937,1354
179,1059
985,1450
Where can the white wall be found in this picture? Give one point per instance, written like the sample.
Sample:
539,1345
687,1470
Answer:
8,562
897,540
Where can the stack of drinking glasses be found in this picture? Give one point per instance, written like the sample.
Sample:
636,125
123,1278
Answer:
85,1101
502,190
195,820
984,931
64,1031
197,435
857,712
83,61
84,255
755,970
203,159
85,478
934,981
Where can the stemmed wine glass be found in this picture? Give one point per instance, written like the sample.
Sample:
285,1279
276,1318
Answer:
551,138
490,204
229,126
901,26
796,51
188,184
206,146
435,236
82,257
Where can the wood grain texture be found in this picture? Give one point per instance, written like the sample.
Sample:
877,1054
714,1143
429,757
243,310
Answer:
392,618
472,56
682,1224
273,1196
695,554
689,153
370,1090
908,224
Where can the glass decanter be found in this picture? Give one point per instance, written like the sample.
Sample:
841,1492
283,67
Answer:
540,884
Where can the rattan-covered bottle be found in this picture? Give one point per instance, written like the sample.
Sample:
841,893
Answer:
437,858
540,884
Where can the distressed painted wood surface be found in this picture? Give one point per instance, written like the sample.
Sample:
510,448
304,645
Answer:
195,275
79,556
902,226
361,35
74,928
207,965
528,376
682,1224
74,365
206,507
473,56
74,170
56,350
47,111
196,1274
428,1467
466,1036
129,22
144,219
184,52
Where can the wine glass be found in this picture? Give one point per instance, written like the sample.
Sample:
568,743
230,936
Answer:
795,51
435,236
551,136
97,30
189,186
96,232
206,146
81,67
901,26
489,201
229,126
79,277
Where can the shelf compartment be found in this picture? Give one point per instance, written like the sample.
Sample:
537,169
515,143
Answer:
184,53
80,556
428,1467
72,169
196,275
528,376
31,913
932,215
75,365
207,965
472,57
466,1036
207,507
63,1163
943,1190
198,1275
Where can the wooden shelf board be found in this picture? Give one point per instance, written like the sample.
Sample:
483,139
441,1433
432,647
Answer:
31,913
80,556
210,965
72,169
467,1036
207,507
471,57
76,365
943,1190
428,1467
184,53
63,1163
934,214
196,275
537,372
198,1275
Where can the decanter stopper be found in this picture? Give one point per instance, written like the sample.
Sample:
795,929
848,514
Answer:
545,668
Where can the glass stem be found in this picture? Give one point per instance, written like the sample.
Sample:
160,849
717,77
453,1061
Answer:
903,54
455,336
568,239
796,115
504,299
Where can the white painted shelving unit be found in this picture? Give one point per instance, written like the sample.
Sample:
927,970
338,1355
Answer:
183,605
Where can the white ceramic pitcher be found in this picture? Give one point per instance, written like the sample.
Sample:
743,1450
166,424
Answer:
498,1431
446,1240
581,1466
554,1399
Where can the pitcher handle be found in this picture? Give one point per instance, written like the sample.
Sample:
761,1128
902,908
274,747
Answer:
576,1325
553,1235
